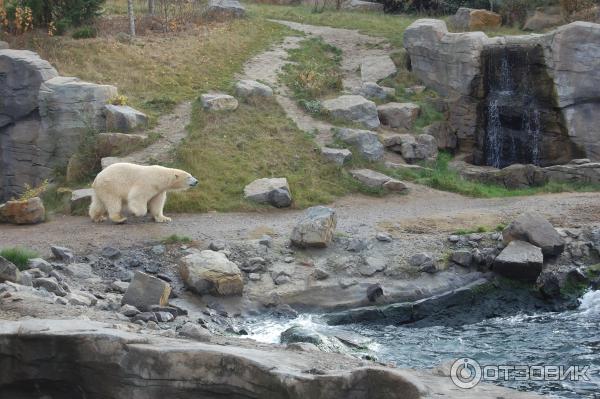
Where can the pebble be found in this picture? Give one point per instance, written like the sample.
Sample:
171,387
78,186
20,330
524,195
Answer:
254,276
217,246
110,252
63,254
158,249
129,311
266,240
383,237
288,259
454,238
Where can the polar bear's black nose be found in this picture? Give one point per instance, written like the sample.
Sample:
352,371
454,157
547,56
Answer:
193,181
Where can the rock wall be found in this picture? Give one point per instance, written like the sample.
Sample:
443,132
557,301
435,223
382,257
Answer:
452,64
42,118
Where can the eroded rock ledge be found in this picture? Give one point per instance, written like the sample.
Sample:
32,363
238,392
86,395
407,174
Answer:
84,359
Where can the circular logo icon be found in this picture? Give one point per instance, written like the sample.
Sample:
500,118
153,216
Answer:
465,373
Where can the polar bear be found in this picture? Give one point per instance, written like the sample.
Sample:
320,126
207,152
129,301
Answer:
142,188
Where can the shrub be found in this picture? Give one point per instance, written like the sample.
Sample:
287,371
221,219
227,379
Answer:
18,256
86,32
118,100
76,12
32,192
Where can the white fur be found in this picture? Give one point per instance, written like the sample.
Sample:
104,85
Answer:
142,188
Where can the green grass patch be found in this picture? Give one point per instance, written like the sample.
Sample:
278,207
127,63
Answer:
228,150
176,239
18,256
314,72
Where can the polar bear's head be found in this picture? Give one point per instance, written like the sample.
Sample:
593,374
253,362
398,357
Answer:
182,180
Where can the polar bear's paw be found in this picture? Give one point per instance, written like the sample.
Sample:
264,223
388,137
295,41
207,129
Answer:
162,219
99,219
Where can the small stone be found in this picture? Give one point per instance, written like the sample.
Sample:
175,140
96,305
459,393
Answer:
110,252
8,271
274,191
371,266
145,291
211,272
288,259
266,240
146,317
475,237
50,285
216,246
129,310
151,325
78,300
383,237
336,155
419,259
454,239
25,279
218,102
158,249
62,254
281,279
347,283
164,317
39,263
61,301
319,274
374,291
254,277
357,245
194,331
252,88
119,286
152,267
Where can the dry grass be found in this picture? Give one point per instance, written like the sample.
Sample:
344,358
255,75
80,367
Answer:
161,69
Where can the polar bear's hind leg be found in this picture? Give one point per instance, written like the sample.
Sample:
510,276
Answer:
97,210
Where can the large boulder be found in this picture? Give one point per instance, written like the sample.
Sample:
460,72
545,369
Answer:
519,261
252,88
360,5
374,179
225,9
29,211
376,68
535,229
218,102
123,118
476,19
274,191
366,142
22,72
8,271
422,147
315,228
399,115
352,108
108,144
70,108
145,291
210,272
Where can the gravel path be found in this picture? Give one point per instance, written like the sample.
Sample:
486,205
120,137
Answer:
423,210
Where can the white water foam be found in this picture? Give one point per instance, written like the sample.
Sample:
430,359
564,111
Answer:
590,303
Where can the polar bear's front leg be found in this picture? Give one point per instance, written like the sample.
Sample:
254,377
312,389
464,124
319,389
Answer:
156,205
137,202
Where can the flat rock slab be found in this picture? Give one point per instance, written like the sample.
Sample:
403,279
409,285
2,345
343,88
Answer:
374,179
373,90
519,261
353,108
219,102
123,118
366,142
374,69
144,291
315,228
252,88
359,5
336,155
273,191
537,230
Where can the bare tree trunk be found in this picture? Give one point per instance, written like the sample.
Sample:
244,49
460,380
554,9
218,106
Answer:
151,7
131,18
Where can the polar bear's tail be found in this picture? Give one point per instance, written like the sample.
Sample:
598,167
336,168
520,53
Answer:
97,209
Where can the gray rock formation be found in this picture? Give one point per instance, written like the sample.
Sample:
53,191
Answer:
422,147
398,115
218,102
537,230
225,9
467,19
336,155
373,90
374,69
22,74
252,88
352,108
374,179
8,271
519,261
366,142
123,118
274,191
315,228
210,272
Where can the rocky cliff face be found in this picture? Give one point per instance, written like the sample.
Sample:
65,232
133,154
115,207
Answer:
454,64
42,118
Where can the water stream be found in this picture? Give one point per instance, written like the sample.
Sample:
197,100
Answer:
569,338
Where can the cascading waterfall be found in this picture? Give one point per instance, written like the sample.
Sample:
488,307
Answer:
513,121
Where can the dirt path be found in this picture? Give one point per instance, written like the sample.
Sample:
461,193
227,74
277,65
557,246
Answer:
355,47
423,211
172,130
